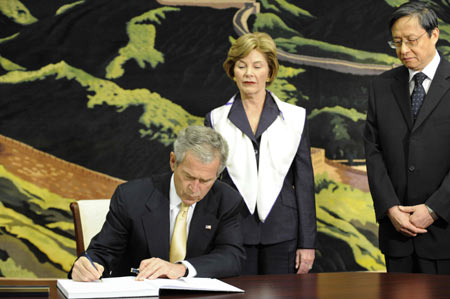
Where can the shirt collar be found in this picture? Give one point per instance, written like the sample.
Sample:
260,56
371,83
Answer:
175,200
429,70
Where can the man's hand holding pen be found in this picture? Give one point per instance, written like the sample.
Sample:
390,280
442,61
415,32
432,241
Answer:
85,269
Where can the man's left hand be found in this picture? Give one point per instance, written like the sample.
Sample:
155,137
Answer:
154,268
304,260
419,215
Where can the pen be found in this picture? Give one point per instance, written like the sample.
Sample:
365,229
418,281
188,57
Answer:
92,262
134,270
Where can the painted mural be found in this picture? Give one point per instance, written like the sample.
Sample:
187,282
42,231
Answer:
93,93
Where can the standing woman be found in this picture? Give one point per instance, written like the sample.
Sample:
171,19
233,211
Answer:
269,162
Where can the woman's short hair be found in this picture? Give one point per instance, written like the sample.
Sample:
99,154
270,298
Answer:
260,41
204,143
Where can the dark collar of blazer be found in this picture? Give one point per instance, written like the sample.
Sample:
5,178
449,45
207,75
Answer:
439,86
156,221
268,115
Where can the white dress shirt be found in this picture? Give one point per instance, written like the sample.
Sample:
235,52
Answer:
175,206
429,71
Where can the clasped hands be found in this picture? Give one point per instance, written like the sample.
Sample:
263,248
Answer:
151,268
410,220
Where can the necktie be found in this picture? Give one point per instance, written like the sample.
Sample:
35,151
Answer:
179,237
418,93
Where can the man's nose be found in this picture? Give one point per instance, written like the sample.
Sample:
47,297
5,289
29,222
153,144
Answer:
195,186
404,48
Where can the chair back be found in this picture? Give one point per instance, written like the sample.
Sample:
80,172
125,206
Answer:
88,218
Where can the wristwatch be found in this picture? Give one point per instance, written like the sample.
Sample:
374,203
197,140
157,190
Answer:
432,213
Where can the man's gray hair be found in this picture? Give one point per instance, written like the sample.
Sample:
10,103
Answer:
204,143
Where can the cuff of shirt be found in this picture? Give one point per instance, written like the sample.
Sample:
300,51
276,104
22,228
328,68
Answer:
191,269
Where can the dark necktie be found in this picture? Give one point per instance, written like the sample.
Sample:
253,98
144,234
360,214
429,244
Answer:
418,93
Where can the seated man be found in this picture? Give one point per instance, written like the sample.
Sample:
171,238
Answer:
147,228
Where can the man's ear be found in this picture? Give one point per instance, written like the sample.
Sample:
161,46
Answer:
435,35
172,161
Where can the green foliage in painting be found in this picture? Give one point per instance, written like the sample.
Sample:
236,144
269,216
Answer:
5,39
270,23
168,117
351,113
395,3
8,65
285,7
344,213
283,89
67,7
17,12
295,44
22,229
141,46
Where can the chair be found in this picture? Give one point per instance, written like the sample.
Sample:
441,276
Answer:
88,218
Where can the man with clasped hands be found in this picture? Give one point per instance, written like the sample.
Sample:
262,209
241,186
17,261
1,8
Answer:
407,143
143,217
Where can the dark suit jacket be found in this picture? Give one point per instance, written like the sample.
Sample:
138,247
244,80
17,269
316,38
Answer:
137,227
293,216
408,163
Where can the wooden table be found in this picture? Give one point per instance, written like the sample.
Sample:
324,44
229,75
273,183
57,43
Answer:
348,285
28,288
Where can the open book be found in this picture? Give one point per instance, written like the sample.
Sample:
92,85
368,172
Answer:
128,286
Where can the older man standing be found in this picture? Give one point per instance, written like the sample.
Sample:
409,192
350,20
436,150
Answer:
174,225
407,142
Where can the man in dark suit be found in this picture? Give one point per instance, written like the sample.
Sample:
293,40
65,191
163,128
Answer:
142,229
407,143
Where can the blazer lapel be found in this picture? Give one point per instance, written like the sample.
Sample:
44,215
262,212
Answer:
439,86
156,220
400,89
238,117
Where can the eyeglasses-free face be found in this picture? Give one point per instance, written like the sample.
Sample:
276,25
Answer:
413,46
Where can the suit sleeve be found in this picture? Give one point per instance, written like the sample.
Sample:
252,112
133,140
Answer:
111,241
381,187
305,194
439,200
227,255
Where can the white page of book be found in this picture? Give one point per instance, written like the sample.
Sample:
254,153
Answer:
108,287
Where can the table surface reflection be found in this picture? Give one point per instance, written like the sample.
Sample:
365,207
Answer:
337,285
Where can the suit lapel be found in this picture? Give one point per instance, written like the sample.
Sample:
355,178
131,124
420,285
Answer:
156,220
439,86
203,226
400,89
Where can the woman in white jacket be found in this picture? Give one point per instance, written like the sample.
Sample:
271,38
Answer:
269,162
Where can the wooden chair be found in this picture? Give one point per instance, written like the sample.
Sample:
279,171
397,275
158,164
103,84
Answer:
88,218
